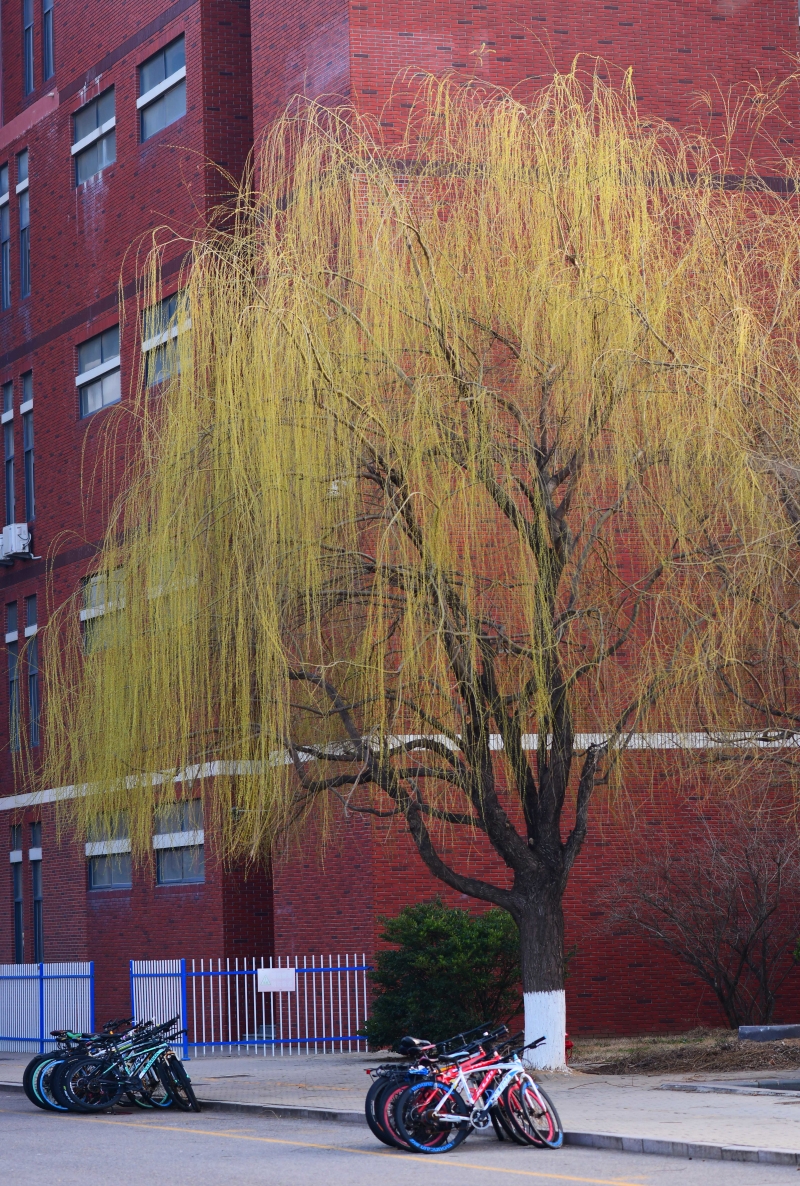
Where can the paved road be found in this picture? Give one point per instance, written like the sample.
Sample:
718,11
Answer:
215,1149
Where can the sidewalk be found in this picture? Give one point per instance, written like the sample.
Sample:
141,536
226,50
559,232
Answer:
635,1105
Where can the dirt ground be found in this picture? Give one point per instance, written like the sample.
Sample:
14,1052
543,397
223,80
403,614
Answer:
697,1050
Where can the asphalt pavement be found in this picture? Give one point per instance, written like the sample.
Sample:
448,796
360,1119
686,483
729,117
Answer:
215,1149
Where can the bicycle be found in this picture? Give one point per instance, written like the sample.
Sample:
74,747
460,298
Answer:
437,1114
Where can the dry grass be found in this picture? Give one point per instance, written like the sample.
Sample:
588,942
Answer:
697,1050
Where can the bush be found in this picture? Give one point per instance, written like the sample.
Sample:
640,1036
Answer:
448,970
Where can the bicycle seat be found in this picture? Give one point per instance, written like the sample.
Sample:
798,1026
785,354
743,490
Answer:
410,1047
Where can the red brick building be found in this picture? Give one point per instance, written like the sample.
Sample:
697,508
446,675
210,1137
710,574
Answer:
116,122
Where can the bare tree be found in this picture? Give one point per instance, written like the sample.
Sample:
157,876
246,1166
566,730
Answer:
724,901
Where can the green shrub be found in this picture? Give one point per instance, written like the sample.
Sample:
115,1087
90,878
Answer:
448,971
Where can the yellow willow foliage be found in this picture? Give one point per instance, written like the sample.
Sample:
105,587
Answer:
457,439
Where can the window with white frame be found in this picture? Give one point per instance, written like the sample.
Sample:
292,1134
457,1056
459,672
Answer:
103,595
98,378
94,138
162,88
5,241
161,325
48,47
178,839
27,44
24,212
108,852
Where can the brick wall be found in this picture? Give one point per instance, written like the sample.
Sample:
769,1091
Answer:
243,65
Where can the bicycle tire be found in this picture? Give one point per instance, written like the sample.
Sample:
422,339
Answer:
422,1131
531,1105
387,1102
173,1075
41,1086
517,1119
152,1093
371,1110
87,1085
36,1061
502,1125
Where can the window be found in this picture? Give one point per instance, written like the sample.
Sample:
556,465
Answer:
36,887
109,853
159,330
162,88
27,444
8,440
24,225
32,652
5,241
27,43
13,675
94,139
19,935
48,55
179,842
98,372
16,837
97,605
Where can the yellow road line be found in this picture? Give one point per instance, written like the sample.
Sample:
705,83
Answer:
429,1160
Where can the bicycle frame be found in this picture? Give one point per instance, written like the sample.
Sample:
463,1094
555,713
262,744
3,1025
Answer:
460,1083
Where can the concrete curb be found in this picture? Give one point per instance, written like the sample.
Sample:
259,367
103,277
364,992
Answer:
724,1089
615,1142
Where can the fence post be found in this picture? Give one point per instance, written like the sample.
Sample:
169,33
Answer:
41,1008
133,997
184,1012
91,997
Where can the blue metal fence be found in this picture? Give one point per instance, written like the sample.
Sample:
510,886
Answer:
223,1011
38,998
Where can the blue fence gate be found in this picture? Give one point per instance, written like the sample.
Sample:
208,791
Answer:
38,998
303,1005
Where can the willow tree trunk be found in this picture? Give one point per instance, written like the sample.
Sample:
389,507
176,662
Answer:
541,932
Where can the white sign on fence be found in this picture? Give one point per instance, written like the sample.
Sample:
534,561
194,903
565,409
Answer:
277,980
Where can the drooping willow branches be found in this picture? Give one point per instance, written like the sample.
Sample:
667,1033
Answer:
446,499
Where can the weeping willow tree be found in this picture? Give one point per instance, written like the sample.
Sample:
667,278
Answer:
418,524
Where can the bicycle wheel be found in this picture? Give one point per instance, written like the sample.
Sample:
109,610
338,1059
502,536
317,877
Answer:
371,1110
173,1075
426,1130
87,1085
387,1102
541,1113
27,1077
515,1116
41,1086
502,1125
152,1093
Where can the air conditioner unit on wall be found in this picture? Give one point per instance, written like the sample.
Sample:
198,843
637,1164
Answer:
16,541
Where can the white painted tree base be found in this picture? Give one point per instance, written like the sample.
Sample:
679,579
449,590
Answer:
546,1013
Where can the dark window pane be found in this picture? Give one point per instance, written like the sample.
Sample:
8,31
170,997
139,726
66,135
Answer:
175,56
85,121
111,343
22,165
151,73
36,834
105,106
48,54
170,865
194,866
175,103
3,179
193,815
11,616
